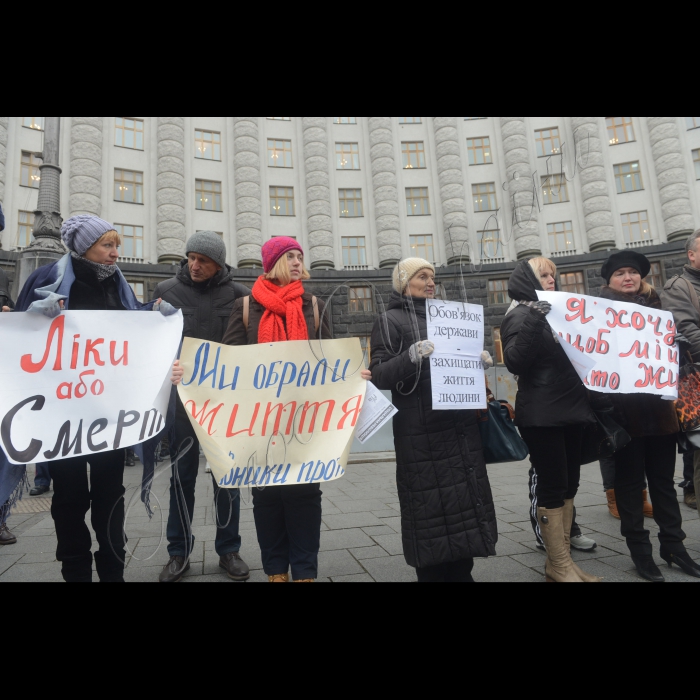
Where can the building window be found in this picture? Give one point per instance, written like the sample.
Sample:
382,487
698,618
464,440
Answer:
128,133
656,276
361,301
572,283
207,145
422,247
128,186
354,251
25,229
498,346
498,292
30,175
208,195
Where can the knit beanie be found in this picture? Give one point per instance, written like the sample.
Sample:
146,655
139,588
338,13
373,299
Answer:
209,244
626,258
82,232
407,269
275,248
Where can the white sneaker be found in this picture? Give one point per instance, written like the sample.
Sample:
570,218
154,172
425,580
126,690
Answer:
208,469
583,544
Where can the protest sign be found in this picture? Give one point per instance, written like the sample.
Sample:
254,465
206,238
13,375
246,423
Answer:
626,348
376,413
456,370
274,415
83,383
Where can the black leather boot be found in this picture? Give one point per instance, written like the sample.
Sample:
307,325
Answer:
682,561
174,570
235,568
647,569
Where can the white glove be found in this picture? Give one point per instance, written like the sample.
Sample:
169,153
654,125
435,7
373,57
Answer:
420,351
487,360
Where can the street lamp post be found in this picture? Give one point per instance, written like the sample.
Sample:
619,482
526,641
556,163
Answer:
47,246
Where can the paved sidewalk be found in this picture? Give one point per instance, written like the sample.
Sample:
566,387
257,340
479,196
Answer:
361,539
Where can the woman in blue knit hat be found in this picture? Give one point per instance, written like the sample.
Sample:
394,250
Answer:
87,279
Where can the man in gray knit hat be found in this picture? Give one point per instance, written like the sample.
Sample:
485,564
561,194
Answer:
205,291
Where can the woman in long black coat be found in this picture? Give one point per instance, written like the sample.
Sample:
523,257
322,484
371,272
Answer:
447,512
653,426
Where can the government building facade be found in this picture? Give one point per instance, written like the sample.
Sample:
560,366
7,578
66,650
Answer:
472,194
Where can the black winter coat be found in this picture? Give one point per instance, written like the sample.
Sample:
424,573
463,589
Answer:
206,306
642,415
550,393
89,294
447,510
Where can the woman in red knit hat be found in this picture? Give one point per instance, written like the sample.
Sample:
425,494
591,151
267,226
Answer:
287,518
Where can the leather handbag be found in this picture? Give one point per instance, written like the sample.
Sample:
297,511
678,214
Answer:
501,440
603,438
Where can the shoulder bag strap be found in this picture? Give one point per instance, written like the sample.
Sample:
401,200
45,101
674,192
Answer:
246,312
693,295
317,315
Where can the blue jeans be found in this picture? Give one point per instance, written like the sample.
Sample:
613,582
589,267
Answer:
43,476
228,502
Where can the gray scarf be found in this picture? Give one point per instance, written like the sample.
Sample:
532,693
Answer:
102,272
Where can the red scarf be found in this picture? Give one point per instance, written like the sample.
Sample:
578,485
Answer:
282,304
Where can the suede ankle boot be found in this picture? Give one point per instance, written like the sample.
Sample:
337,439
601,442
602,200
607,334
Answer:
612,504
648,508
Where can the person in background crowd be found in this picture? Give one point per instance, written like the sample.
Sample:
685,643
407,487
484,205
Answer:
87,279
607,471
287,518
447,512
653,426
42,480
681,297
552,410
7,483
688,483
130,460
204,289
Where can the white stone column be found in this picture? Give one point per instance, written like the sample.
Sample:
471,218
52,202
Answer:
171,198
86,166
595,187
318,192
386,192
672,177
452,192
521,188
246,167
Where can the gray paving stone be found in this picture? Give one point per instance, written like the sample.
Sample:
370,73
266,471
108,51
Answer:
352,520
360,578
372,531
369,553
9,561
504,570
344,539
505,528
340,563
393,544
390,570
37,573
363,507
507,548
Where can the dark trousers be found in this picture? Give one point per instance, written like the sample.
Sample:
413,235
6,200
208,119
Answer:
288,520
182,500
655,456
555,454
73,497
534,505
43,476
689,471
455,572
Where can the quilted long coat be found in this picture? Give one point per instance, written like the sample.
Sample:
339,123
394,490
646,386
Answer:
447,509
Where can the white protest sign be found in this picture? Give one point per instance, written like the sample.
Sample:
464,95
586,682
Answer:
376,413
83,383
456,370
632,347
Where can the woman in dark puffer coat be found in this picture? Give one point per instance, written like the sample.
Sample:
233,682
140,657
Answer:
552,411
447,511
653,425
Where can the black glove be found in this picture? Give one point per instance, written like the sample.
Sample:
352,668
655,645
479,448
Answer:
543,307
